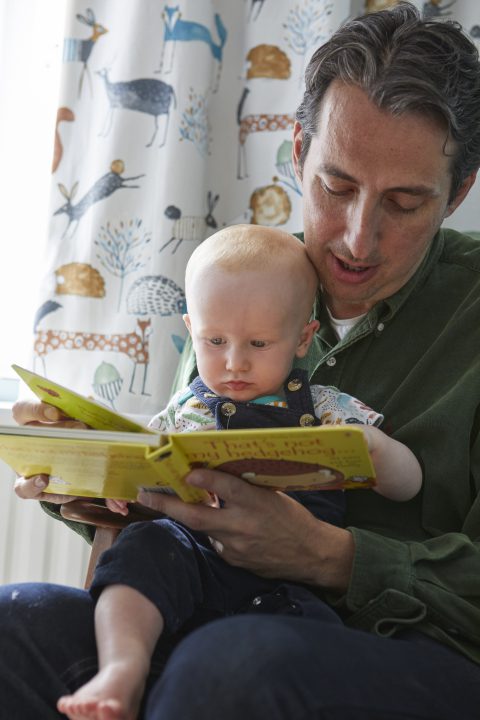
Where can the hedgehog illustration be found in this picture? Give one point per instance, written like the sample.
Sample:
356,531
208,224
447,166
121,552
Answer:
156,295
275,473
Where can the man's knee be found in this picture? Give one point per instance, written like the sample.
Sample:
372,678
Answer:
40,612
235,665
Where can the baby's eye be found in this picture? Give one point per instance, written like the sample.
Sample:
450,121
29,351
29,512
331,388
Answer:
258,343
216,341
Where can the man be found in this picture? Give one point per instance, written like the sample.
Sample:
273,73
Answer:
386,145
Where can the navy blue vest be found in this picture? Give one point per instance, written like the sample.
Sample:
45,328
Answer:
234,415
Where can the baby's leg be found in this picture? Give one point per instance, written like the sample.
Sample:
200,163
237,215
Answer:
127,627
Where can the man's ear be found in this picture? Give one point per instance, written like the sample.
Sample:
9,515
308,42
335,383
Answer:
186,320
462,193
306,337
297,148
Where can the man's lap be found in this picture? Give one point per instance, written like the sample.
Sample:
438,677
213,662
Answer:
292,668
249,665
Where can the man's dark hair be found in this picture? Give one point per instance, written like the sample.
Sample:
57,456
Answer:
404,64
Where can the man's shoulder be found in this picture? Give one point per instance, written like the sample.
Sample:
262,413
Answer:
462,249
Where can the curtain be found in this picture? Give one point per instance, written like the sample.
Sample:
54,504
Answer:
174,119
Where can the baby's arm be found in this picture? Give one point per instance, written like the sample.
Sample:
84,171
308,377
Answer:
399,475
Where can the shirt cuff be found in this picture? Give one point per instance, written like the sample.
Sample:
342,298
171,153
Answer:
379,563
380,595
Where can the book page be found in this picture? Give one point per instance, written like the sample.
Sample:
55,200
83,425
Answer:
78,406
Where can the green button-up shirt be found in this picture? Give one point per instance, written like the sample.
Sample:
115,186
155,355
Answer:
415,358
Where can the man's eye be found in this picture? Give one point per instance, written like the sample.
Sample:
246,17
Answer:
399,208
331,191
216,341
258,343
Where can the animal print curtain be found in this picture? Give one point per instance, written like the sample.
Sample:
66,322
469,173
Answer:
174,119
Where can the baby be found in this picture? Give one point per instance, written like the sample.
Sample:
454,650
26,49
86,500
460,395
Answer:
250,293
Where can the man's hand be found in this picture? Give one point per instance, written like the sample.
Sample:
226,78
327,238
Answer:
263,531
37,413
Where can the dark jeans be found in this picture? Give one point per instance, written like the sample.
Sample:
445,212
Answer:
259,667
181,574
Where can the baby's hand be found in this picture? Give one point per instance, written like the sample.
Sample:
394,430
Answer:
117,506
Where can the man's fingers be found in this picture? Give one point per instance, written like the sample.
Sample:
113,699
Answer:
56,499
228,488
32,488
25,412
196,516
233,492
36,413
117,506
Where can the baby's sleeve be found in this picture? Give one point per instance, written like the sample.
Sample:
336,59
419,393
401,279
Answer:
333,407
165,421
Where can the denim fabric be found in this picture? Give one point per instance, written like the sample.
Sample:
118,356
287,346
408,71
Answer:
285,668
249,666
180,573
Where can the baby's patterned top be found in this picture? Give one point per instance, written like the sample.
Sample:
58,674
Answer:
185,413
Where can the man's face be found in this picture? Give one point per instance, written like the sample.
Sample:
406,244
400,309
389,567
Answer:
375,191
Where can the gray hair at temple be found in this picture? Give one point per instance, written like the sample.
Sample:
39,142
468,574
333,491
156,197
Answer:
404,64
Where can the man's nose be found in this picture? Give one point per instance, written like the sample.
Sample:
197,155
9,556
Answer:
362,231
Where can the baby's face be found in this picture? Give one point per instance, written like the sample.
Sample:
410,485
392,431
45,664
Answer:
245,332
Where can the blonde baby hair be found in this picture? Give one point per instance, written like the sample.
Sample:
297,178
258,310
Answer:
254,248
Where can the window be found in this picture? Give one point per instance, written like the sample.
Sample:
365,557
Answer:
31,37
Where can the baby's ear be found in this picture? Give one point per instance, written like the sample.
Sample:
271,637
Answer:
186,320
306,337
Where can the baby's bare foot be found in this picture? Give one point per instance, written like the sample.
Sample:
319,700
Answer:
113,694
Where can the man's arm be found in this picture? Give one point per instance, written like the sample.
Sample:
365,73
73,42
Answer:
383,584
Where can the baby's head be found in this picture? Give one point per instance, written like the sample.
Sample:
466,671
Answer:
250,292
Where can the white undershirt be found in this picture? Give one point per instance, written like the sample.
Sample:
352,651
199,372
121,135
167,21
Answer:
342,327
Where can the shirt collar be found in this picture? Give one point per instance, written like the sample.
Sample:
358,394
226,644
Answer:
386,309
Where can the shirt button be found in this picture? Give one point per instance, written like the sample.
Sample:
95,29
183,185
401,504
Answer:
380,327
331,361
228,409
306,420
294,384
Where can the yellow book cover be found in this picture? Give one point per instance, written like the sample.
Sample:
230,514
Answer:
75,405
112,463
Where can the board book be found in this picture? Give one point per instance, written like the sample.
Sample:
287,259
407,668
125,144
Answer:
120,457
